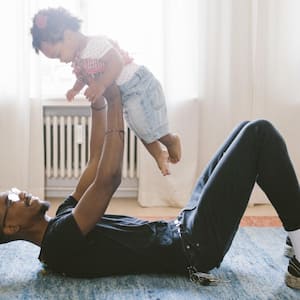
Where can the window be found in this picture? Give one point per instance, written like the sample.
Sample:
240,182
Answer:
135,24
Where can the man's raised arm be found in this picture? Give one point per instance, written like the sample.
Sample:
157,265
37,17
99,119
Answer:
95,200
98,109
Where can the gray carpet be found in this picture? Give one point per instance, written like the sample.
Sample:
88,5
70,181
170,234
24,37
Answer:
254,266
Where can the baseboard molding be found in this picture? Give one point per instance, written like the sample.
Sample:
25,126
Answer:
63,187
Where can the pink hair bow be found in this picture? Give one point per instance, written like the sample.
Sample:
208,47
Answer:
40,21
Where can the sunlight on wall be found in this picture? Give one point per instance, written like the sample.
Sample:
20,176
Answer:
135,24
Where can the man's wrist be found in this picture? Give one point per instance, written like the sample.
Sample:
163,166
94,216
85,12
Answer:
108,131
96,107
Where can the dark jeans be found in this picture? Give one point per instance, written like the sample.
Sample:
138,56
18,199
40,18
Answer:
254,152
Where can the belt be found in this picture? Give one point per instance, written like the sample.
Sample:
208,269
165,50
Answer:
194,275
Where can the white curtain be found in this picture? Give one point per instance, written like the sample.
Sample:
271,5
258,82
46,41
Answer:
244,56
220,62
183,51
21,151
276,70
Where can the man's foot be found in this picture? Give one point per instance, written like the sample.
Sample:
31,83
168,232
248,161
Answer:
163,162
174,149
292,276
288,248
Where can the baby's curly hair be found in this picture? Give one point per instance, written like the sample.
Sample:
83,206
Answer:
49,26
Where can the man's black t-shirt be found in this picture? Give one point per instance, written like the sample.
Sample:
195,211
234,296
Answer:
117,245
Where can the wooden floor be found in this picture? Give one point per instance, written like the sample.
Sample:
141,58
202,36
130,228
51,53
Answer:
126,206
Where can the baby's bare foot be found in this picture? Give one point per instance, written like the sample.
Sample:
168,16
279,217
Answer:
174,149
163,163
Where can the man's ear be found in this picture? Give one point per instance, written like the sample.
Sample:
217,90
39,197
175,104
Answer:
11,229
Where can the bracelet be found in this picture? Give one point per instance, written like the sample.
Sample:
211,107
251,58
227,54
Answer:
98,108
114,130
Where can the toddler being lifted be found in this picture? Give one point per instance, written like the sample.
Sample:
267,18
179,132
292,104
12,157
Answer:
97,62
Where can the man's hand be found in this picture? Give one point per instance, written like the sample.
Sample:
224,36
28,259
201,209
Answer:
94,91
113,60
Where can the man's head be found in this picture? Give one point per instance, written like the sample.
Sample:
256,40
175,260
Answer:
19,214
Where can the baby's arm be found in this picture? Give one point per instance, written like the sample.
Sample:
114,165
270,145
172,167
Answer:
113,67
77,87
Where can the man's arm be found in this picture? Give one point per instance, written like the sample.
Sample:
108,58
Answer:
95,200
96,141
96,144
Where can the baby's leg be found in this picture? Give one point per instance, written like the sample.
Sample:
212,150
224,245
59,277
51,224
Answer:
161,156
172,142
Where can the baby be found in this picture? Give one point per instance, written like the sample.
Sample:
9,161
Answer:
97,62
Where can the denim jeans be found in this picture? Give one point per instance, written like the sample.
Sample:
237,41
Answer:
255,152
144,106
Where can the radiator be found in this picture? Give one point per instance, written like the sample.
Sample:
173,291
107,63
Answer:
66,151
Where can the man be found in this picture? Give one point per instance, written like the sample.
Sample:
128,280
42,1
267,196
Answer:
82,241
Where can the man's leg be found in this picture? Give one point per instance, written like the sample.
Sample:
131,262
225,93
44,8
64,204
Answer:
258,153
203,178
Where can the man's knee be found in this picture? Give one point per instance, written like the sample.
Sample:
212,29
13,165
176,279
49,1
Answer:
261,125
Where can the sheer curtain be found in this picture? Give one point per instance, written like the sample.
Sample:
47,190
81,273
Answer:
220,62
244,56
182,48
21,148
277,72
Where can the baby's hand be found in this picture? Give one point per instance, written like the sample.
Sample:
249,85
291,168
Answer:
71,94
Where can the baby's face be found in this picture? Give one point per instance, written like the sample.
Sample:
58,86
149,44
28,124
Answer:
63,50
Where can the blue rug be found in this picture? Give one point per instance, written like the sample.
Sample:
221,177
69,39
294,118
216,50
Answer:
254,269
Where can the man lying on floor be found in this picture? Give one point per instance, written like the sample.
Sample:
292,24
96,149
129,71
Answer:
81,241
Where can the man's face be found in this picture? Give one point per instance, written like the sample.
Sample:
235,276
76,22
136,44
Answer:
20,209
